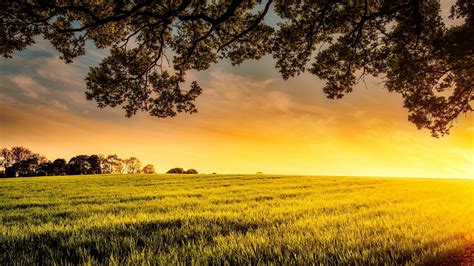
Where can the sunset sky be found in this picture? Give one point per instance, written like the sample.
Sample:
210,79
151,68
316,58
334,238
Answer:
249,120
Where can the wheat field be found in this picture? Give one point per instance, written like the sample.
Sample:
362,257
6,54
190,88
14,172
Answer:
233,219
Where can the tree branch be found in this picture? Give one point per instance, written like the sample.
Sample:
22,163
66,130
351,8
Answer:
251,27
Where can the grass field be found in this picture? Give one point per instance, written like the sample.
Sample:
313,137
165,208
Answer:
210,219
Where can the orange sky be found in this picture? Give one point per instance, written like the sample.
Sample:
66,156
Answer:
249,120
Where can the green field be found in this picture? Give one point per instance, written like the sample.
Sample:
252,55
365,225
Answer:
211,219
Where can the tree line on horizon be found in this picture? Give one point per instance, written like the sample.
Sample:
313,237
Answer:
22,162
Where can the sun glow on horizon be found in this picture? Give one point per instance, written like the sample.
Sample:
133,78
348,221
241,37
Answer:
249,120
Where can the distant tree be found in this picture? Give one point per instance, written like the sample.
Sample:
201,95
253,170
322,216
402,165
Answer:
3,163
59,167
79,165
104,167
41,158
94,161
176,170
191,171
45,169
111,164
121,166
26,167
19,153
132,165
12,171
148,169
6,157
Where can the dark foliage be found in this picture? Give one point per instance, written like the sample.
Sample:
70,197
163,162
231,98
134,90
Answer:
79,165
340,41
12,171
84,165
45,169
191,171
94,162
26,167
176,170
179,170
21,162
59,167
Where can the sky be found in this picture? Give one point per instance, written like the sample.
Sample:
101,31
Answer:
249,120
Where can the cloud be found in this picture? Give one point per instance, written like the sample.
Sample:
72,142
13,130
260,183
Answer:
55,70
29,87
37,77
230,91
59,105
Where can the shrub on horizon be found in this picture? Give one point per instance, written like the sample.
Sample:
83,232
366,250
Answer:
176,170
148,169
191,171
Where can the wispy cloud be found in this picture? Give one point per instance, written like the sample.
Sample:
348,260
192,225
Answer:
29,87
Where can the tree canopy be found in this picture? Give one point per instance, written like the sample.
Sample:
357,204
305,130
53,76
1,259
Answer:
154,43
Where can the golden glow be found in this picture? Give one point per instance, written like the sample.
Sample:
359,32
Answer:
247,125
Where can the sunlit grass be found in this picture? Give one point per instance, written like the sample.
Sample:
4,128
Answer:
245,219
